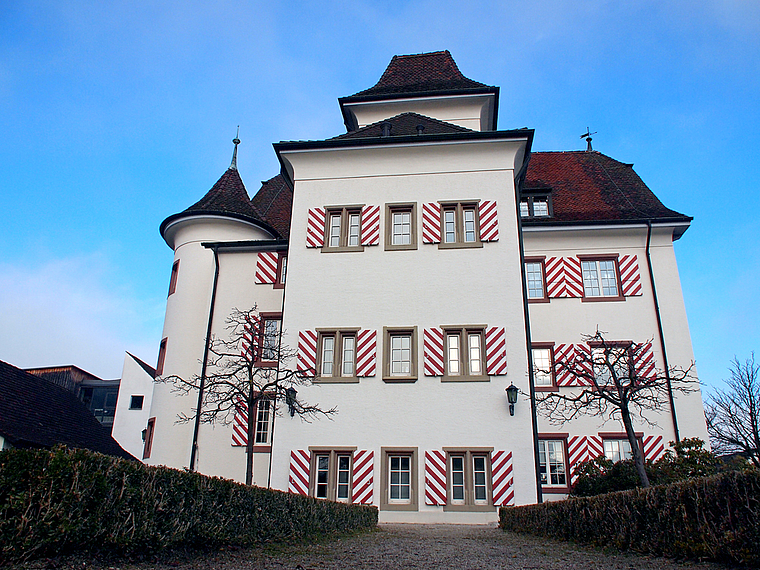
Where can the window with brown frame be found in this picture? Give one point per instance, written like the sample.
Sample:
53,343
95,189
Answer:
148,438
535,280
601,278
468,480
343,229
618,448
398,482
460,226
465,354
400,354
400,226
552,463
336,349
269,339
264,423
161,358
542,354
173,280
282,269
331,474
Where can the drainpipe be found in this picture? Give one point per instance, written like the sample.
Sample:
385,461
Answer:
194,450
534,420
662,336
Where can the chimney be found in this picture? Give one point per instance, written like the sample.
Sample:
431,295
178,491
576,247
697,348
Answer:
386,132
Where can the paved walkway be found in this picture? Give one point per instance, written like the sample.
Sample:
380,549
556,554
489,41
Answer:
397,546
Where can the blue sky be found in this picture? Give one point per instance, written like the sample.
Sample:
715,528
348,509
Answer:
115,115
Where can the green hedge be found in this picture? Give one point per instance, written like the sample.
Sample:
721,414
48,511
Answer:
714,518
58,501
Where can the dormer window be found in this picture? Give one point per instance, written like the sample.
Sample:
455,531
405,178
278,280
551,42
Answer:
538,206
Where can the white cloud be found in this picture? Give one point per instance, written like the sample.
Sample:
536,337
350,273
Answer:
68,311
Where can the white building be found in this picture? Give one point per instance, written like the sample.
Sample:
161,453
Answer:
418,245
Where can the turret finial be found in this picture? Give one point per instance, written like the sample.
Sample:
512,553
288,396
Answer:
236,140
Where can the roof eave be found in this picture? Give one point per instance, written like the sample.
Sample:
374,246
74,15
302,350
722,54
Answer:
680,223
250,219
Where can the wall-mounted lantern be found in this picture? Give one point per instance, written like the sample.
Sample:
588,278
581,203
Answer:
512,393
290,400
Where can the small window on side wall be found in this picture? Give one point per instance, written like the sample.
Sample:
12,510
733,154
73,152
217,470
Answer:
600,278
148,438
343,229
136,402
282,270
161,358
536,206
535,280
173,280
459,225
401,226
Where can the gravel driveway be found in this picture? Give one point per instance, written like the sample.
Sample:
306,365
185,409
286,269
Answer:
414,546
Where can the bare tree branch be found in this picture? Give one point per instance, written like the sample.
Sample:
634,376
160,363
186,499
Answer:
617,381
245,367
733,415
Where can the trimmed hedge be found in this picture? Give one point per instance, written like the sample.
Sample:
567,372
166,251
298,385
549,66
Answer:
714,518
59,501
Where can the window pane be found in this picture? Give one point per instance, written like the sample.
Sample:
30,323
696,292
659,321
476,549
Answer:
263,415
283,269
453,350
469,226
524,209
609,278
457,479
540,207
335,230
542,460
402,228
401,355
400,479
348,356
535,278
323,470
479,479
590,279
328,354
353,229
449,228
475,353
270,340
542,374
552,463
344,473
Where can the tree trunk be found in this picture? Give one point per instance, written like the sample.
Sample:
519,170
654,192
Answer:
638,458
250,437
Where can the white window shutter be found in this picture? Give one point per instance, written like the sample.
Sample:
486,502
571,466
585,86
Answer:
496,351
366,353
435,478
431,222
433,350
298,482
266,267
371,225
489,221
315,228
629,275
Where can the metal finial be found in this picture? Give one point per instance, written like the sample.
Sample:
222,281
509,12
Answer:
236,140
587,136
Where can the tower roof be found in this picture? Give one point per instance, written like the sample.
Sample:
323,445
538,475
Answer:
420,74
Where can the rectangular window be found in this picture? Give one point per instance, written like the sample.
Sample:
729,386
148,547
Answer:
264,421
617,450
136,402
551,460
398,485
401,226
543,366
468,479
282,269
465,355
459,225
161,358
535,279
269,339
337,355
173,280
400,354
600,278
615,358
343,229
331,474
538,206
148,438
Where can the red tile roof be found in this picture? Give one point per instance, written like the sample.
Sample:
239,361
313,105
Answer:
591,186
273,203
421,73
403,125
228,197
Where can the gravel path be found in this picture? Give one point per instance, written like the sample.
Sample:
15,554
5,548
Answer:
407,546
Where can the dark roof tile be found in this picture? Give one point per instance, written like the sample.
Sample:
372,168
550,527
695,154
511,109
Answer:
37,413
590,186
273,203
421,73
403,125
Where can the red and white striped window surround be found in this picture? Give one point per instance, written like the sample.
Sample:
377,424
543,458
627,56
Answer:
316,226
435,350
488,221
564,277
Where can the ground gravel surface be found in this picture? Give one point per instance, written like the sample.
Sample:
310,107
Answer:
404,546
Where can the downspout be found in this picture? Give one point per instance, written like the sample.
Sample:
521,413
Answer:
194,450
534,419
662,336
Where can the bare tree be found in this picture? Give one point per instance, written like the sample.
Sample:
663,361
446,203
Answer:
246,367
618,381
733,415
